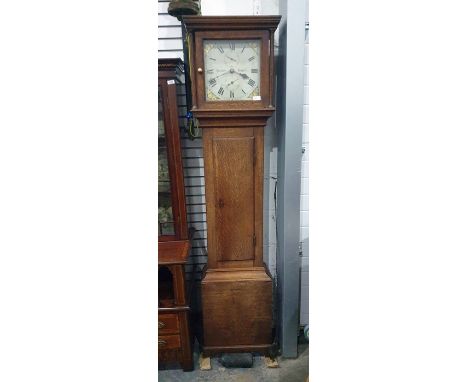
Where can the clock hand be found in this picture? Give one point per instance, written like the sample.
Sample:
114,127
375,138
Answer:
243,75
222,74
231,59
232,82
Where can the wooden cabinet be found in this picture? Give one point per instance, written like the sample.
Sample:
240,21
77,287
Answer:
174,338
172,220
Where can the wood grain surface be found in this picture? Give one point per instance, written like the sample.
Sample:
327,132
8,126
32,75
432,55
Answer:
237,308
234,196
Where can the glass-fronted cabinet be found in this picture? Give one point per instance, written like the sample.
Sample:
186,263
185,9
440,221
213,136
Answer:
172,221
174,339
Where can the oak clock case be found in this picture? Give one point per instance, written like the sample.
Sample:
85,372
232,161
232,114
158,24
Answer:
232,80
174,338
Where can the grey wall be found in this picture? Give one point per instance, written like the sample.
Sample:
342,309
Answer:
304,200
290,109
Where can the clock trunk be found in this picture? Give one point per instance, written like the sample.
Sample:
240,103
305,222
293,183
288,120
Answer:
234,187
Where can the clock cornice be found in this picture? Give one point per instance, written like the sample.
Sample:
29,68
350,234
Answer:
194,23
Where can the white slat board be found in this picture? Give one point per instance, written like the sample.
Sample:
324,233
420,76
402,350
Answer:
170,46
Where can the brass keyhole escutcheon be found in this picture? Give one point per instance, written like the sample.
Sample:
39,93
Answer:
161,325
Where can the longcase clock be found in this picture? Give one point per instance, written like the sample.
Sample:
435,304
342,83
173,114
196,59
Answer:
231,69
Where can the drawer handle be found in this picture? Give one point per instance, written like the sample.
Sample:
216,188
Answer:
161,324
162,343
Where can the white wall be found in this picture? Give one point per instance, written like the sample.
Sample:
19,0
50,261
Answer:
239,7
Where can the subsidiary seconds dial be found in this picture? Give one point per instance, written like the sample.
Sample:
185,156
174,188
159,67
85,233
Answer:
232,70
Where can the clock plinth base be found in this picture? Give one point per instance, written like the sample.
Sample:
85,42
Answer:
211,351
237,310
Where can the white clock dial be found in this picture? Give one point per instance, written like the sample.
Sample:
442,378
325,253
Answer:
232,70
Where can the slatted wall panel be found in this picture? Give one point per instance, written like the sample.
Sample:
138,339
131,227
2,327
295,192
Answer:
169,33
170,46
192,154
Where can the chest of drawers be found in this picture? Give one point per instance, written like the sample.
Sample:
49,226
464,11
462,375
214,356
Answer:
174,337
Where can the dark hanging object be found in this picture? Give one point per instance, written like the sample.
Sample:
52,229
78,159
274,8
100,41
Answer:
178,8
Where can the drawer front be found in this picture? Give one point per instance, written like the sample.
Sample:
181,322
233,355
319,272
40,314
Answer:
168,323
169,342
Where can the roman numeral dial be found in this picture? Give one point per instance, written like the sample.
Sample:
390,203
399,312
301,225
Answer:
232,70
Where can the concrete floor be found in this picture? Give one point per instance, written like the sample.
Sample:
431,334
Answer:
290,370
